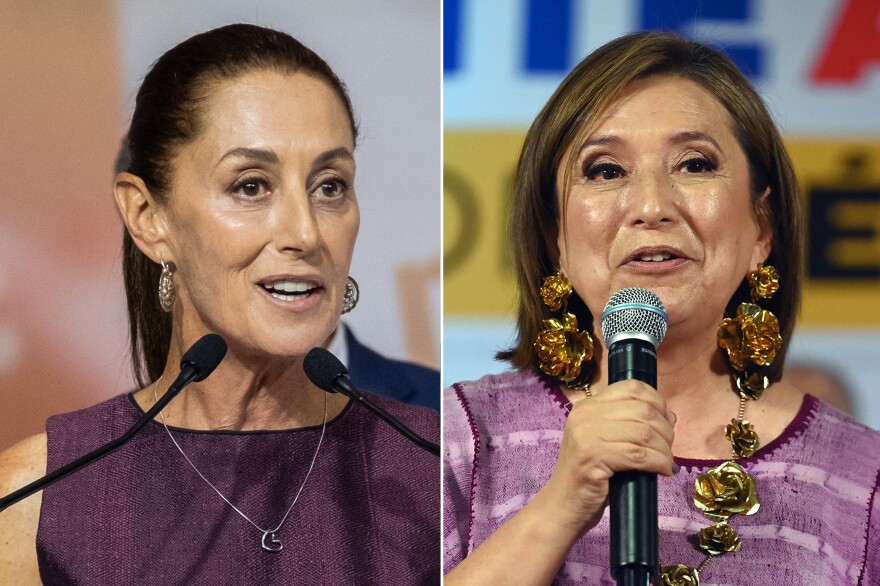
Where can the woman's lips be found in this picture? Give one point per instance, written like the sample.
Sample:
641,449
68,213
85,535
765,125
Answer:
655,266
291,290
655,259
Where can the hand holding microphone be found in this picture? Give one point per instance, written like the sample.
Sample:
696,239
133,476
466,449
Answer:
622,429
633,325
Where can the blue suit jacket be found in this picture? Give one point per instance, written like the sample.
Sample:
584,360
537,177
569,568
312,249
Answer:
399,380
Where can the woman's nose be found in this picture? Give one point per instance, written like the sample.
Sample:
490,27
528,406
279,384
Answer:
296,225
652,200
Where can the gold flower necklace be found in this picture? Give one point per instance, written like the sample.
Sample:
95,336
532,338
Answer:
720,493
751,339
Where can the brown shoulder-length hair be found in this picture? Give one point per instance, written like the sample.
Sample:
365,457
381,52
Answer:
570,116
167,115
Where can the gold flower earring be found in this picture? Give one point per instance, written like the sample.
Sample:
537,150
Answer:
751,340
561,347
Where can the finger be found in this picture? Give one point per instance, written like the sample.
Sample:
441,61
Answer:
633,389
635,434
625,457
639,433
623,413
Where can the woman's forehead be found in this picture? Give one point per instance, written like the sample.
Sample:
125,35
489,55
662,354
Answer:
680,105
270,111
640,102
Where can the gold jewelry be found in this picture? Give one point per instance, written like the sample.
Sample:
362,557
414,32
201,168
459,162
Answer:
763,282
751,341
270,541
166,288
585,387
560,346
752,338
352,295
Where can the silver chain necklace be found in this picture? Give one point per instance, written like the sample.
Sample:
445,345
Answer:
269,541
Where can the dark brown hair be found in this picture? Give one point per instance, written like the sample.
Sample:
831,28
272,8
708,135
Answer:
167,115
570,116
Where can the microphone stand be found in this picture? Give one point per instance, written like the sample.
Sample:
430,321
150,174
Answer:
342,384
187,375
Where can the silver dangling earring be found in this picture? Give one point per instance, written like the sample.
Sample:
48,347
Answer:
352,294
166,288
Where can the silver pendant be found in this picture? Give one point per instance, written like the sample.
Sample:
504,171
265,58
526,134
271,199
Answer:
271,542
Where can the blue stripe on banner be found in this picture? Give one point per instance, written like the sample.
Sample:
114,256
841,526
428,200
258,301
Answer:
748,58
451,35
548,36
675,15
679,15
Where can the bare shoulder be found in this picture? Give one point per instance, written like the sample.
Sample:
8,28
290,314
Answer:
19,465
25,460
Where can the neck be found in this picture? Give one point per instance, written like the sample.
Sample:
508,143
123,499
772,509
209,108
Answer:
244,393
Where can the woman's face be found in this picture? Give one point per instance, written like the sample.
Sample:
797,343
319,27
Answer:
262,216
659,198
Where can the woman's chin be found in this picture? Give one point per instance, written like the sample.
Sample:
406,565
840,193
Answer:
690,320
283,346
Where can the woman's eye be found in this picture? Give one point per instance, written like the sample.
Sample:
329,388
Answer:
698,165
604,172
251,188
332,188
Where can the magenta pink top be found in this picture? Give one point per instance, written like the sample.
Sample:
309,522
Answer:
819,521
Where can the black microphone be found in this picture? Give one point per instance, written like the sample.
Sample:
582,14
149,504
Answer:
197,363
328,373
633,325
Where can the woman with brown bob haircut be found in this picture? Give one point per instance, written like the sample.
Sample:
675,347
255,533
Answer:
655,165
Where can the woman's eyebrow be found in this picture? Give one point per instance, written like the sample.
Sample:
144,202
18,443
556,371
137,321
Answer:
270,157
601,140
332,155
261,155
693,135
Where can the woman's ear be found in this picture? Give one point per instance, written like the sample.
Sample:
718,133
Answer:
764,219
143,216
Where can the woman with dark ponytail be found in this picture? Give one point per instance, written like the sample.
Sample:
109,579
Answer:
237,195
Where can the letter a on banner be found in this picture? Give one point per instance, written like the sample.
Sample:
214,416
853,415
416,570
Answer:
854,45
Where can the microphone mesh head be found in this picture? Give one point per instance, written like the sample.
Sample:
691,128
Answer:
323,368
205,355
634,313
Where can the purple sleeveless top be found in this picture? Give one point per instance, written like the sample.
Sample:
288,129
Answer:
368,514
819,521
